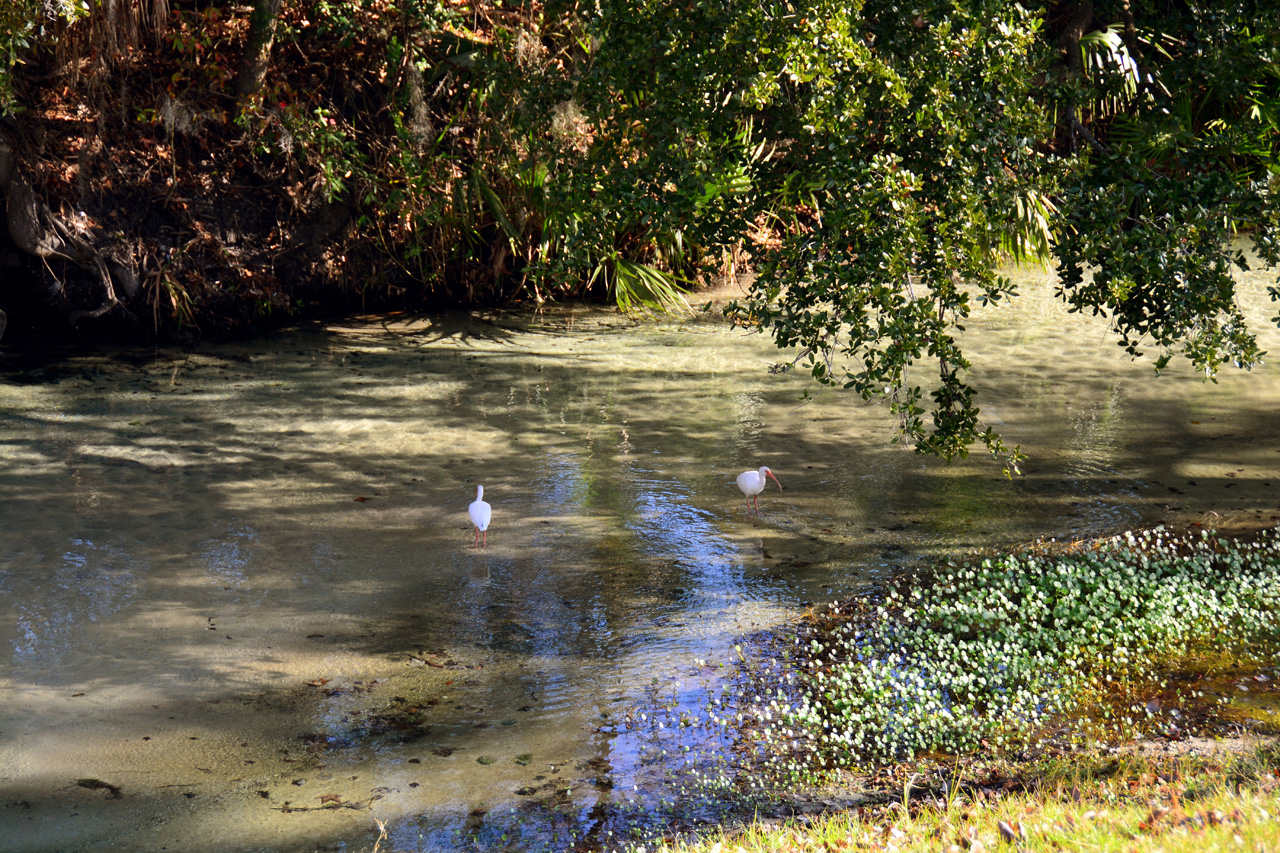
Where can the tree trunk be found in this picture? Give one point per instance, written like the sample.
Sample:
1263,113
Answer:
257,52
1076,18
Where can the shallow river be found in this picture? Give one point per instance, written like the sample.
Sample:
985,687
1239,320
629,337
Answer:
240,608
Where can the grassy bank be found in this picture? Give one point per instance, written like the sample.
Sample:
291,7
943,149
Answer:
1221,801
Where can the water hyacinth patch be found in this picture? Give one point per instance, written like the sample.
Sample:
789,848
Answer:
998,653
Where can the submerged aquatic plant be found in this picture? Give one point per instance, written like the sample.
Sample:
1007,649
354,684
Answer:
998,653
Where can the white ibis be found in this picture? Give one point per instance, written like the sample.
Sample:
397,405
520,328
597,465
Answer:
752,484
480,513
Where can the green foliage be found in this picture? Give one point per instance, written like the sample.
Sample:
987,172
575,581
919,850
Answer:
976,657
17,24
22,24
461,203
1182,162
912,152
919,153
652,156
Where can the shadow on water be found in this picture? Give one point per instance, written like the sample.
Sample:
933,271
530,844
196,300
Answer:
244,596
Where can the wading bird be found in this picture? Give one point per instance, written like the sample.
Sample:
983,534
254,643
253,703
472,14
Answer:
480,513
752,484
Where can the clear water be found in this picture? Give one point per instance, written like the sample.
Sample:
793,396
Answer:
238,585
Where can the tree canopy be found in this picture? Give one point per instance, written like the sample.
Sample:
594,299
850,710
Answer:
897,158
875,163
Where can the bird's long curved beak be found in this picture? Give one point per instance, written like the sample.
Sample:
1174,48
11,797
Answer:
775,479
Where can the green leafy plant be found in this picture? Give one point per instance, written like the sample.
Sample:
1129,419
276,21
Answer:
995,654
23,24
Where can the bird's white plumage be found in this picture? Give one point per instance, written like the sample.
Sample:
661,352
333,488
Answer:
480,513
752,483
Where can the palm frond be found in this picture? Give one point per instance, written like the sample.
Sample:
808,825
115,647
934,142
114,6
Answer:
638,286
1027,236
